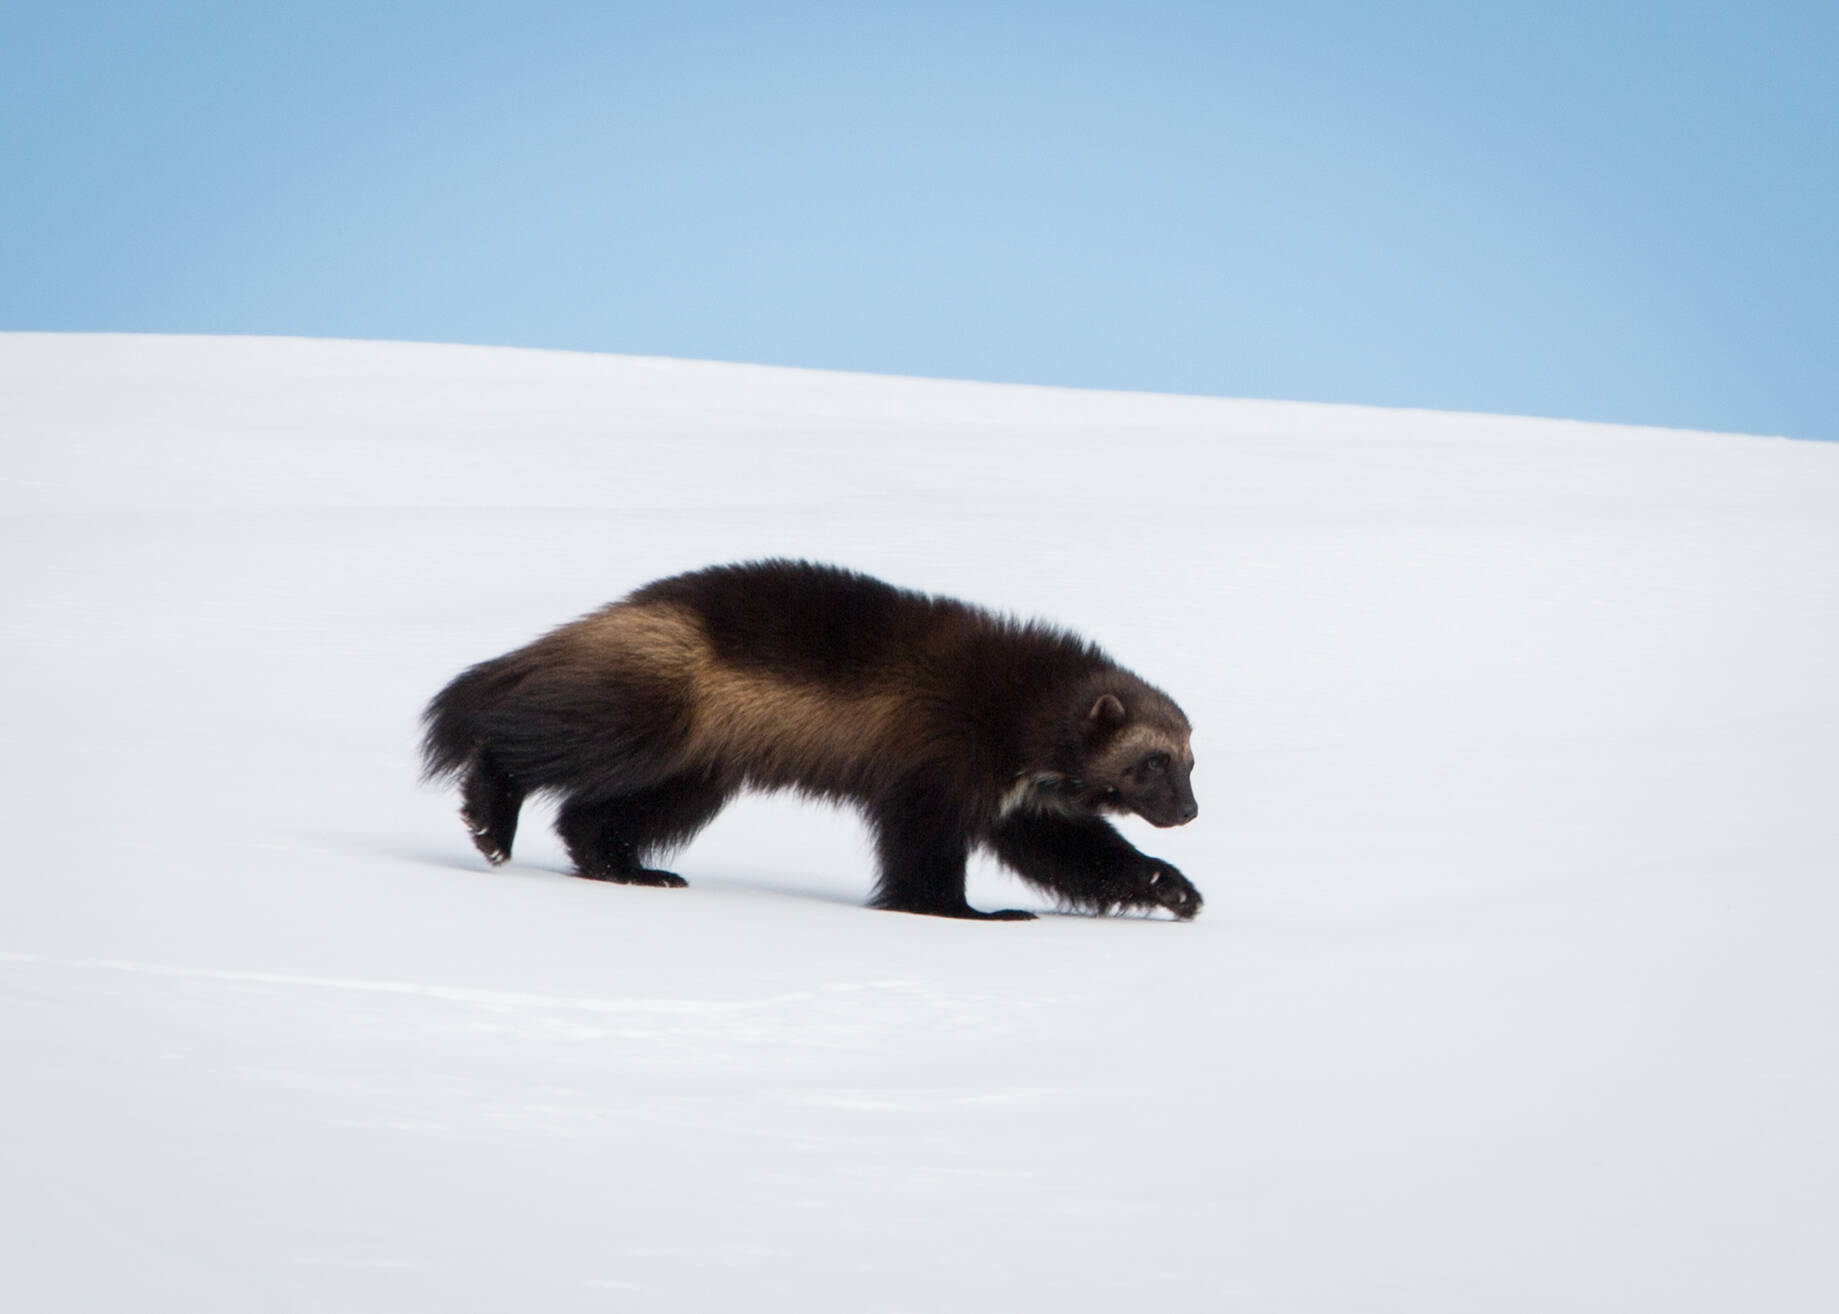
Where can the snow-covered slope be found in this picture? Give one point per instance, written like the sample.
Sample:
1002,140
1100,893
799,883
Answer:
1514,991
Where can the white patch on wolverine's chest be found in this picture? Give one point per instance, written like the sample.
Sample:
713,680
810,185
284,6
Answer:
1035,792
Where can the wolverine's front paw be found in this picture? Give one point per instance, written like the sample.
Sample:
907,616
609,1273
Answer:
1165,887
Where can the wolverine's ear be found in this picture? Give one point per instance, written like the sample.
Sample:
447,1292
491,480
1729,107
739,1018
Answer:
1108,710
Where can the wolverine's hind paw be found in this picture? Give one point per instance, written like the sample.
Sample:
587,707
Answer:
668,880
486,842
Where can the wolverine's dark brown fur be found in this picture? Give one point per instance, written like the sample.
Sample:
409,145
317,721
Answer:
951,727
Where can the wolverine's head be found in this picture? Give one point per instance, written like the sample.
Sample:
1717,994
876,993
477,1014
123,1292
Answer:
1136,756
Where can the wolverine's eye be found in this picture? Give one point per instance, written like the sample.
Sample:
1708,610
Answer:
1154,763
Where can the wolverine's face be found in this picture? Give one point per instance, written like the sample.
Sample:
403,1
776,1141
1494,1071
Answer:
1141,765
1156,787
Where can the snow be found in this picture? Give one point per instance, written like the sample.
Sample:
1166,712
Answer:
1516,740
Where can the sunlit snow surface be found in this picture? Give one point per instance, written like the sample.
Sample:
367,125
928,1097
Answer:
1515,990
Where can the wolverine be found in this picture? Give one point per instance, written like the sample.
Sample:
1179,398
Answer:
951,727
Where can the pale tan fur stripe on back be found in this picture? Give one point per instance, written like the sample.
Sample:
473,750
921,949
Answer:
665,640
775,731
786,733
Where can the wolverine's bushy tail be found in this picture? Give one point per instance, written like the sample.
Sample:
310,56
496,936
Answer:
458,718
545,721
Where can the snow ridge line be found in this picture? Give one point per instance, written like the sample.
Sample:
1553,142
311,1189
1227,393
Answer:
456,994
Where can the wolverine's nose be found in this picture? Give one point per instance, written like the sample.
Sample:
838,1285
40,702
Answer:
1189,811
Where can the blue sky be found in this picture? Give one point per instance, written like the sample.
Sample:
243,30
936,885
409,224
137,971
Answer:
1600,211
